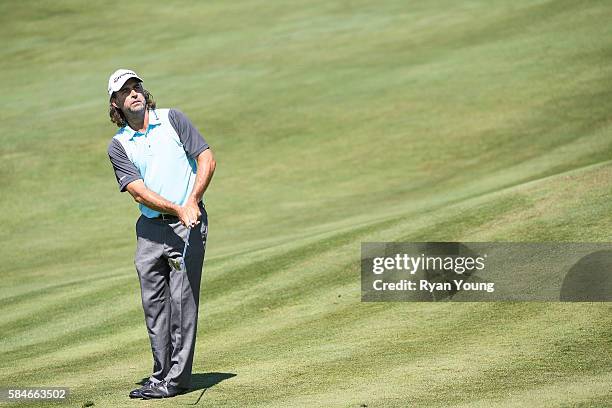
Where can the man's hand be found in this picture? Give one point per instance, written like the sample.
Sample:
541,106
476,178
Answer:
189,214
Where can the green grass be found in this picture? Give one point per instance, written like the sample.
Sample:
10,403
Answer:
333,123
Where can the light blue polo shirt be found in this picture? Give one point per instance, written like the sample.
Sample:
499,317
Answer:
164,156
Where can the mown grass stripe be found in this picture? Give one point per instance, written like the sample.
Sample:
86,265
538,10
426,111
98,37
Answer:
432,362
48,312
47,288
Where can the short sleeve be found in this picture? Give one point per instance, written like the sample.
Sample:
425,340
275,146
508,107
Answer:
125,171
193,142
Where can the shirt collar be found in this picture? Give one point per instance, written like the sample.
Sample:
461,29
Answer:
153,121
153,118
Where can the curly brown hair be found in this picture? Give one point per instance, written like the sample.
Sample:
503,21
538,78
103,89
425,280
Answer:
117,117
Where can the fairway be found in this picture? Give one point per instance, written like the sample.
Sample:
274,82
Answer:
333,124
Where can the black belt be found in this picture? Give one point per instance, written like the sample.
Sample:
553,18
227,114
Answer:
170,217
166,217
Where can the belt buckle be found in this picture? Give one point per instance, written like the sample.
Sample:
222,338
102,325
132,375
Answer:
165,217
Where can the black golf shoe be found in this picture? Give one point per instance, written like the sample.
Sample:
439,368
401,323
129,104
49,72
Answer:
137,393
163,390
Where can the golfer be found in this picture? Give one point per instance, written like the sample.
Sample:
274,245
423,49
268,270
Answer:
161,159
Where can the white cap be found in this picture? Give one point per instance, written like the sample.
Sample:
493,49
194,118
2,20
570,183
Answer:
118,78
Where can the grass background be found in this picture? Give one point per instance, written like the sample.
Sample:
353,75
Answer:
333,123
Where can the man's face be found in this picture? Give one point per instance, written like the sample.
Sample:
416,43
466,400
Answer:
130,98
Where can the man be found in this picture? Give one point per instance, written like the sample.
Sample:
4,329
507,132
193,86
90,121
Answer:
161,159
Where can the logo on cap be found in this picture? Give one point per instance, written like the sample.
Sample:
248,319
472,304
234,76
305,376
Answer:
125,73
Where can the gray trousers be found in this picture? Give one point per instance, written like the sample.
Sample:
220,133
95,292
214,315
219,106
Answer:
170,292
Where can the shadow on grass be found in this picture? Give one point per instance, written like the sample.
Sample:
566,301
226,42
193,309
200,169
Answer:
202,381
